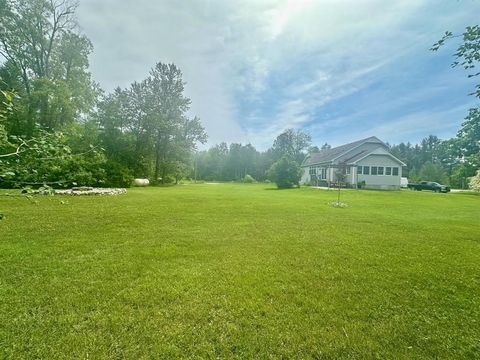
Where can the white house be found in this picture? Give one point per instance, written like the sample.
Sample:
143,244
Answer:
367,163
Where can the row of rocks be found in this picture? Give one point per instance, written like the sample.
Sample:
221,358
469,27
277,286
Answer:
91,191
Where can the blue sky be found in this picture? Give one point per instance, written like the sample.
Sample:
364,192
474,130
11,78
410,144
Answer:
339,69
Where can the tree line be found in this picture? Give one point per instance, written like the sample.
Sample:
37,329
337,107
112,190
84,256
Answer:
452,161
57,126
234,162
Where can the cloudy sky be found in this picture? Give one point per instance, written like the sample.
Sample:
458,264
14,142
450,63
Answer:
339,69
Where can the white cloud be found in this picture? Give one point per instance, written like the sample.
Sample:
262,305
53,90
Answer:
290,56
406,128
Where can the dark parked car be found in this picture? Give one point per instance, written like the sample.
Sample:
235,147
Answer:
429,185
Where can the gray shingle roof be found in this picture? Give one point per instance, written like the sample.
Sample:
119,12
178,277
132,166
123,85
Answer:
325,156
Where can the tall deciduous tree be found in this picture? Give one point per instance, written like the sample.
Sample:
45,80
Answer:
47,60
150,119
291,143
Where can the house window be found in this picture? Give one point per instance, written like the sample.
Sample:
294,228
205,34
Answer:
347,170
374,170
395,171
388,170
380,170
366,170
359,170
313,170
324,173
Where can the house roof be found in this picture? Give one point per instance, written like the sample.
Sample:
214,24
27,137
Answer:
364,154
328,155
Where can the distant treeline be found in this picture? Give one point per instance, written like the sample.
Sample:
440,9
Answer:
58,127
450,161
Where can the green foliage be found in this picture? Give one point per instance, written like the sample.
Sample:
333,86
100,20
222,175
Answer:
232,163
413,176
248,179
117,175
291,143
47,159
460,175
433,172
145,127
180,170
286,173
6,108
474,182
466,146
46,61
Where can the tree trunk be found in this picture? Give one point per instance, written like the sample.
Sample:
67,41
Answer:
157,159
30,118
164,170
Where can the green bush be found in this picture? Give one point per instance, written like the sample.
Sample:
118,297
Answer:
248,179
286,173
474,182
117,175
47,159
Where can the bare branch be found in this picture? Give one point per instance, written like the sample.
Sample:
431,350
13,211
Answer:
17,151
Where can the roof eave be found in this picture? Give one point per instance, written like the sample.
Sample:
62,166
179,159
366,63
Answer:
363,142
387,154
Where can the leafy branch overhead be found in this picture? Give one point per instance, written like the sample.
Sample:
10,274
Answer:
467,55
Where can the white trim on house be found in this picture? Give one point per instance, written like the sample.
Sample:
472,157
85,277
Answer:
386,153
368,153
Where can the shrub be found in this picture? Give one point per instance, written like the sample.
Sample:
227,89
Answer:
286,173
474,182
117,175
248,179
47,159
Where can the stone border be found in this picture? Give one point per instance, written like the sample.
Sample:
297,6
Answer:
91,191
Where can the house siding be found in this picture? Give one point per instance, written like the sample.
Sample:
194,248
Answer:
305,176
380,181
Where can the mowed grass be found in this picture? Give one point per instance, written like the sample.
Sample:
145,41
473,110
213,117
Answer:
241,271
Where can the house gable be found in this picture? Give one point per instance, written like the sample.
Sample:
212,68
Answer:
360,151
334,154
379,151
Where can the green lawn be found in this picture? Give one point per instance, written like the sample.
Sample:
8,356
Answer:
240,271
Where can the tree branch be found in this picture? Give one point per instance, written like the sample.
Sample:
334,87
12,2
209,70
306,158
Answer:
17,151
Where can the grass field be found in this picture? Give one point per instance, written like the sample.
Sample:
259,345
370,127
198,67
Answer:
241,271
